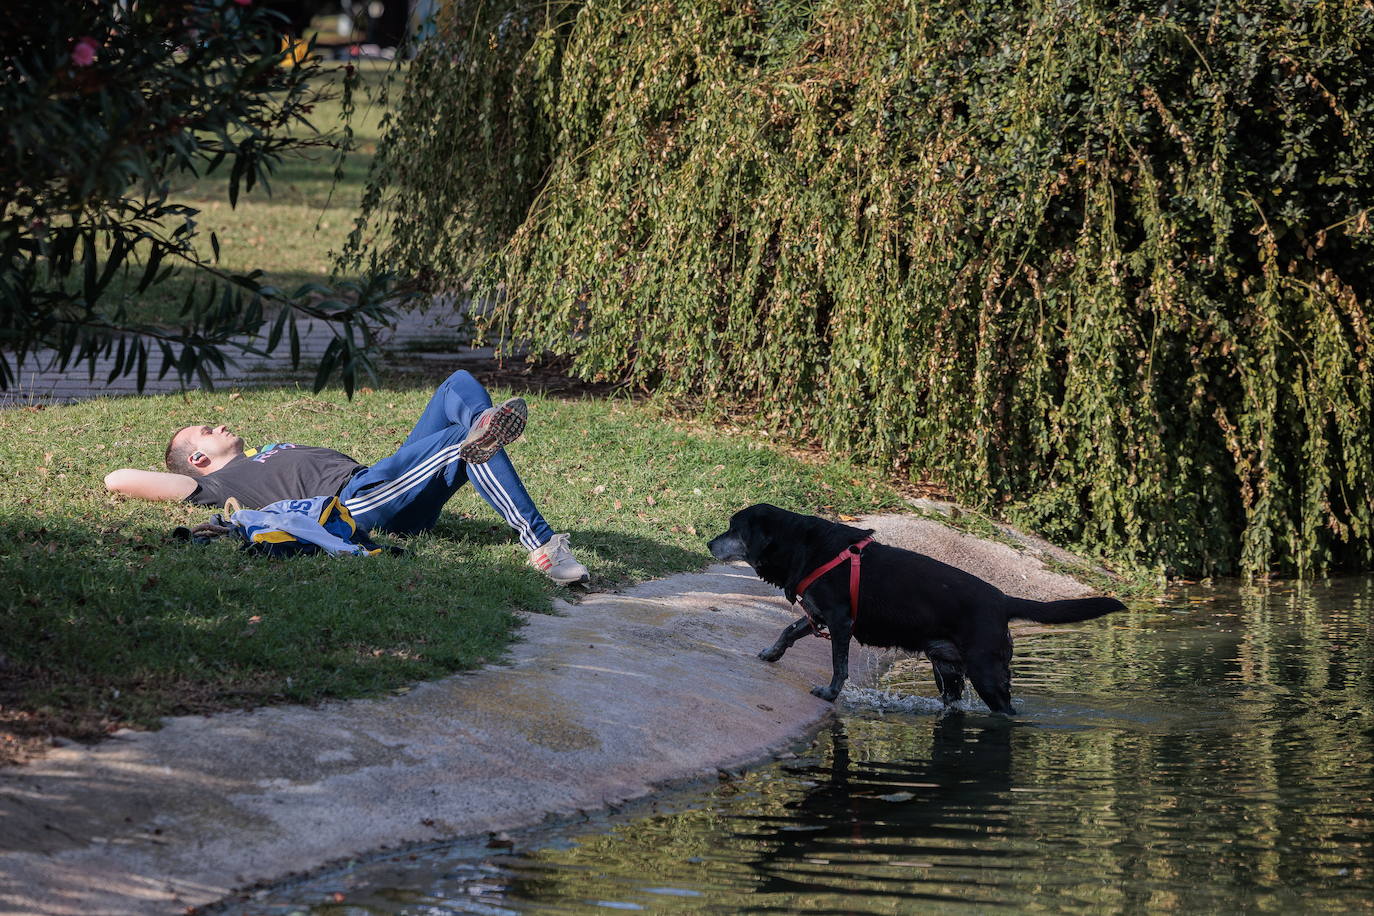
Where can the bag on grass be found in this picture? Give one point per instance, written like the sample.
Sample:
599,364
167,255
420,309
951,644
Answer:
291,527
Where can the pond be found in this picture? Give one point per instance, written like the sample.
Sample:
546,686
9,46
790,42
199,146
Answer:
1211,753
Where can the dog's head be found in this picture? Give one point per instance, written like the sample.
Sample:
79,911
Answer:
781,546
749,534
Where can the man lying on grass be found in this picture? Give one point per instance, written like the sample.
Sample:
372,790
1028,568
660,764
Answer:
459,437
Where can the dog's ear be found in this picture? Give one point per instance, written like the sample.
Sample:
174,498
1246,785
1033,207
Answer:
758,543
763,548
813,541
798,565
780,557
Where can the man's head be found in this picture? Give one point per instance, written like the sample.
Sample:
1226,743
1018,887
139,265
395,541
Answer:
201,450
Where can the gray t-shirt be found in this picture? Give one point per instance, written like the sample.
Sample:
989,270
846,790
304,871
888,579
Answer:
275,472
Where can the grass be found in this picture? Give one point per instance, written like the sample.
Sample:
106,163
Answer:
288,231
110,622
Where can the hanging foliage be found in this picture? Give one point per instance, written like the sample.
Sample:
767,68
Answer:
107,106
1103,266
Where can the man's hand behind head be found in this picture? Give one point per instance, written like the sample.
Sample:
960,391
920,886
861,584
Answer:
158,486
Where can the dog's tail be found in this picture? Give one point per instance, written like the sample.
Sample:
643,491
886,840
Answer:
1066,611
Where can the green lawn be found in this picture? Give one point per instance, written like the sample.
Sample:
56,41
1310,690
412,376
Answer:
109,621
290,230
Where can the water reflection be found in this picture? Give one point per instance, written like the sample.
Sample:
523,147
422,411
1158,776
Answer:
1211,754
868,819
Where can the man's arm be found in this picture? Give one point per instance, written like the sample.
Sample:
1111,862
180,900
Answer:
159,486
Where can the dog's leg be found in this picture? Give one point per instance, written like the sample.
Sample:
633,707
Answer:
990,672
794,632
839,661
949,670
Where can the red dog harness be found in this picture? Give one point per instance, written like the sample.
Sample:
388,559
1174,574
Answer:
851,554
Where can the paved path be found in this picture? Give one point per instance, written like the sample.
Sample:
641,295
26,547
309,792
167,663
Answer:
416,333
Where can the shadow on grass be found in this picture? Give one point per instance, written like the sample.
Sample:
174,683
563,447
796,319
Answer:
614,557
303,180
547,376
104,627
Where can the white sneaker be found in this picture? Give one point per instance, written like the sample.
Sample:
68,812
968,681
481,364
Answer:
494,429
556,561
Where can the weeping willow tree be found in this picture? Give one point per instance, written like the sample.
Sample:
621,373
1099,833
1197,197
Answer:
1104,267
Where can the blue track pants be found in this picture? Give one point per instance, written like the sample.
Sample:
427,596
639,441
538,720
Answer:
404,493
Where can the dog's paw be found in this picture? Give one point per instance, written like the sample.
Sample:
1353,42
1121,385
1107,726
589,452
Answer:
770,654
825,693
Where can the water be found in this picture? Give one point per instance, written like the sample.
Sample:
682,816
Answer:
1211,754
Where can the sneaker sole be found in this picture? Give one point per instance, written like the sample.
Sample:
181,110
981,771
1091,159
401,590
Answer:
505,427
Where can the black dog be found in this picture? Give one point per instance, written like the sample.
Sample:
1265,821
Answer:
906,600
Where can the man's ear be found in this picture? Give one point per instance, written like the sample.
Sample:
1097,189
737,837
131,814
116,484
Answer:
198,461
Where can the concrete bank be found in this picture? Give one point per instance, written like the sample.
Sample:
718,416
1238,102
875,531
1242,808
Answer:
614,696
